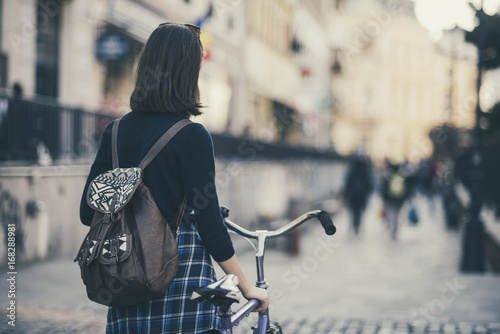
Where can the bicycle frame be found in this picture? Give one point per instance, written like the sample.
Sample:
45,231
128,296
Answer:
229,319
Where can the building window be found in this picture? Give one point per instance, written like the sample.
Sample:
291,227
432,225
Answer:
3,70
284,118
3,57
47,49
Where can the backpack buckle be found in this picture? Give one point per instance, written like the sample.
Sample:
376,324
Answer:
113,260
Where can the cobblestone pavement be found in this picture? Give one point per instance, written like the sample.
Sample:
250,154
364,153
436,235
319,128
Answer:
355,326
289,326
69,325
341,284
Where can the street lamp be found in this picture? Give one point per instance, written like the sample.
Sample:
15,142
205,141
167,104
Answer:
473,258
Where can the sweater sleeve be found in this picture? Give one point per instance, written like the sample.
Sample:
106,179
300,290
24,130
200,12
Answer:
101,164
198,179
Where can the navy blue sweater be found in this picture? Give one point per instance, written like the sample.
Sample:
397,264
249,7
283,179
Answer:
185,166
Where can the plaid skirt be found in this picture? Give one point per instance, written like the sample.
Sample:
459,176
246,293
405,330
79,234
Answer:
174,312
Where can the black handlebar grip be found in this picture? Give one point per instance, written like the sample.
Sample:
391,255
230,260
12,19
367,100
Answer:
224,211
327,223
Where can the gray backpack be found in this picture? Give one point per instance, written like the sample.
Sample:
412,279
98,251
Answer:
129,254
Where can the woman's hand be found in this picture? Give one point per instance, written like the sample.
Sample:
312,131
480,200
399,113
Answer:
252,292
232,266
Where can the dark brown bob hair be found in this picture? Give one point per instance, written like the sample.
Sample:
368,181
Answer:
168,71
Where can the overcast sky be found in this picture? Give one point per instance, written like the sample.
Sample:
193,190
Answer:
436,15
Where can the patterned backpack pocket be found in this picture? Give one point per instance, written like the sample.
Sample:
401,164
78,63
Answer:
87,251
117,248
109,192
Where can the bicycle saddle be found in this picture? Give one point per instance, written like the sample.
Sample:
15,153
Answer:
224,291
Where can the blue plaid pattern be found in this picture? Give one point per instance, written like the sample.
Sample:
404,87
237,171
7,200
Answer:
174,312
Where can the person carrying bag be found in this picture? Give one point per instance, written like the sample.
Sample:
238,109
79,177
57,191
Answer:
166,92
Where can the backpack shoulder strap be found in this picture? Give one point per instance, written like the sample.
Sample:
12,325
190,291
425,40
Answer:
156,148
180,216
114,140
160,143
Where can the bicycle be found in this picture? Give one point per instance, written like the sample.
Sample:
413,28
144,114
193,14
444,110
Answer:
225,292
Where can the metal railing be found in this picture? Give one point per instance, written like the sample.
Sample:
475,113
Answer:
31,130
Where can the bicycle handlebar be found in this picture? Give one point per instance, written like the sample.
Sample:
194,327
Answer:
327,223
323,217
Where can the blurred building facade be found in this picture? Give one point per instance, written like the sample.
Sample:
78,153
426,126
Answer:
393,84
319,73
288,61
262,76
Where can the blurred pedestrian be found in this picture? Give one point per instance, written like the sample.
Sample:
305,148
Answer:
358,186
17,91
452,207
427,181
16,143
395,190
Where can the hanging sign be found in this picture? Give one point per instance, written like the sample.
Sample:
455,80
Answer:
111,47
